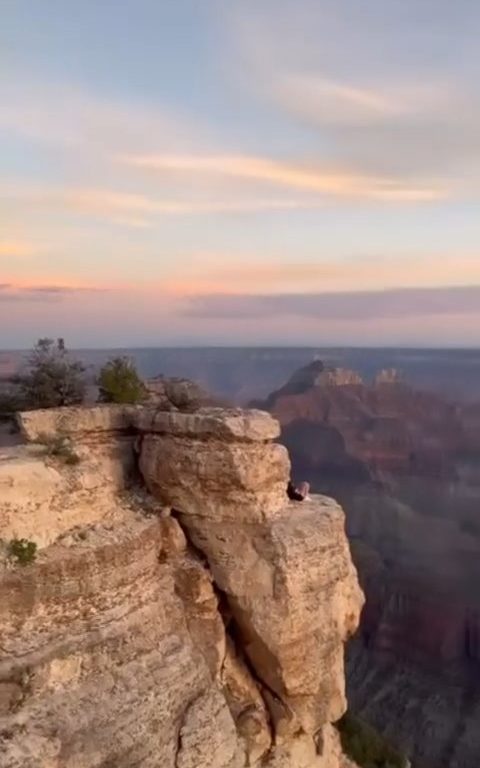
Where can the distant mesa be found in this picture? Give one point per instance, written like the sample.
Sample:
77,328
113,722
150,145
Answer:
388,376
317,374
339,377
314,375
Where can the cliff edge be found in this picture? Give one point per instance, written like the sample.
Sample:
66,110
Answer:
179,612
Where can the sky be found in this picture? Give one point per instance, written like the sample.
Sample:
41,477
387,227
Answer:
240,172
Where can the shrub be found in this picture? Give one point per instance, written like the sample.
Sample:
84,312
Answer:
59,447
119,382
52,377
10,402
365,746
22,550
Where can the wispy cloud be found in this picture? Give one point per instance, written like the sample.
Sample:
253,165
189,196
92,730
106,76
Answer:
15,292
344,73
134,209
306,177
76,119
354,274
404,129
362,305
338,102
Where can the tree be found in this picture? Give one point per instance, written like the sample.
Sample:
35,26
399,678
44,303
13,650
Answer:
52,377
119,382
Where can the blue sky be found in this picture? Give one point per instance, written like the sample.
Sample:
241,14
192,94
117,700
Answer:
254,172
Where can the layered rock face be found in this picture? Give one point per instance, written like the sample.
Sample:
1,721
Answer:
179,613
405,465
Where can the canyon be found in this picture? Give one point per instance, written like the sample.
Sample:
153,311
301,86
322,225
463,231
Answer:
405,465
179,611
240,374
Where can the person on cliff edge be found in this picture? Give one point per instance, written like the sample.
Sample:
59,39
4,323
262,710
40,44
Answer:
300,493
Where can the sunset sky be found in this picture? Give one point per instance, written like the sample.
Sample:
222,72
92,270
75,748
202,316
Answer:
240,172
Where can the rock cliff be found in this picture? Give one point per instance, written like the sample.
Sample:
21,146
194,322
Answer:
179,613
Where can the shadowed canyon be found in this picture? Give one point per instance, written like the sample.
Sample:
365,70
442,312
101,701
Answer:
405,465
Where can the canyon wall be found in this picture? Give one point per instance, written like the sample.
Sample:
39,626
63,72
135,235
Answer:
179,612
405,465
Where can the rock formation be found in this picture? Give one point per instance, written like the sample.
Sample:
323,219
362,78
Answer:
179,613
178,394
388,376
405,466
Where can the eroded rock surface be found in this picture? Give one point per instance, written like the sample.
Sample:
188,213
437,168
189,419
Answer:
194,621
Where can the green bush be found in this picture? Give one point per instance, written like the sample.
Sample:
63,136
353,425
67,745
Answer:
22,550
119,382
52,377
365,746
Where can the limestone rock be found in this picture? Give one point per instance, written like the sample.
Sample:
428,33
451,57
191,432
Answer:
246,705
42,498
226,425
195,623
214,463
293,607
339,377
75,421
207,735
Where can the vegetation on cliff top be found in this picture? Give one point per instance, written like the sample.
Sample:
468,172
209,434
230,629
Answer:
22,551
366,747
52,377
119,382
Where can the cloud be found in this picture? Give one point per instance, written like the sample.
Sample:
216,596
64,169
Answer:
335,102
135,209
15,292
250,275
76,119
110,203
366,305
372,85
305,177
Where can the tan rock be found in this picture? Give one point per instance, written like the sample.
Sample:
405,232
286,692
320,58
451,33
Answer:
246,705
42,498
295,607
202,628
213,479
338,377
207,735
75,421
174,393
193,584
222,424
97,641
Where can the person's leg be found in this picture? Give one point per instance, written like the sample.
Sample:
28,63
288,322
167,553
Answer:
293,493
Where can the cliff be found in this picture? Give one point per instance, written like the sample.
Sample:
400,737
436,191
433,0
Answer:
179,613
